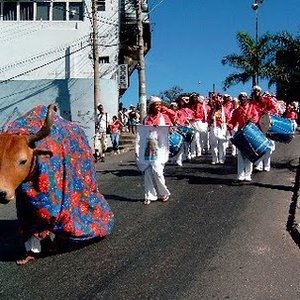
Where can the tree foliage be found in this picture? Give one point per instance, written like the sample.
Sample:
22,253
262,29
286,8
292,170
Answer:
254,61
275,57
171,94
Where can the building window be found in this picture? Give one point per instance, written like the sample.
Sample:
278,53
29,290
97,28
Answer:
42,11
59,11
104,60
9,11
101,5
26,11
75,11
46,10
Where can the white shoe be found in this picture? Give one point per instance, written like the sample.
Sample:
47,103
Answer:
147,201
179,163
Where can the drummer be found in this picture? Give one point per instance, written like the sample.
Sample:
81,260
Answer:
184,117
154,180
240,116
264,105
201,110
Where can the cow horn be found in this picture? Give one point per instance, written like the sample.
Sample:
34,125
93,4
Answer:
45,130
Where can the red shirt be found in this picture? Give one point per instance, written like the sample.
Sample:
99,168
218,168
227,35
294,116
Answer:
184,116
157,119
200,112
265,105
115,126
243,114
292,115
216,116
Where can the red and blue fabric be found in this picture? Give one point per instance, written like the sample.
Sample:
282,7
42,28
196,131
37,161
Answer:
62,196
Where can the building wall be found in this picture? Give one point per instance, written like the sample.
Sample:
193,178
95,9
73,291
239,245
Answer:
45,62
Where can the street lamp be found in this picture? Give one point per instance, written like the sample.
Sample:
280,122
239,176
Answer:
255,7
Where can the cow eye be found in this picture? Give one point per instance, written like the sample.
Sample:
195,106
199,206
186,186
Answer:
23,161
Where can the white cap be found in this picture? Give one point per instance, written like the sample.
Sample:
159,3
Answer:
174,104
154,99
256,88
201,98
243,94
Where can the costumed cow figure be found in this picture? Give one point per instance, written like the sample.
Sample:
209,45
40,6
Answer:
47,166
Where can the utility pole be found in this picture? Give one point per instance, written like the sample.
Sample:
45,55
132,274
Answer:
141,67
96,60
255,7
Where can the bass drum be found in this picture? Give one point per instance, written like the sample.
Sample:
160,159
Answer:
251,141
277,128
188,133
175,143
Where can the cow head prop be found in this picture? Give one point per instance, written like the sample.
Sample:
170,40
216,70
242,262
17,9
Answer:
17,157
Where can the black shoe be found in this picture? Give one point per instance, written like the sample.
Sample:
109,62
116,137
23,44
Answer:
102,159
237,182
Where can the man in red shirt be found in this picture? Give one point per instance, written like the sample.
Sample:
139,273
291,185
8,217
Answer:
240,116
199,123
264,105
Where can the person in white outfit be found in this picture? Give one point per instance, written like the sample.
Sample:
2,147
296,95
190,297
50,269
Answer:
154,180
218,133
240,116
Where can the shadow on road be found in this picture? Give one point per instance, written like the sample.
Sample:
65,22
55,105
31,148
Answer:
274,186
121,198
292,227
11,246
121,173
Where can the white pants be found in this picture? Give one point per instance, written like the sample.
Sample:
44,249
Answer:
218,148
195,145
244,167
33,244
264,163
204,140
154,183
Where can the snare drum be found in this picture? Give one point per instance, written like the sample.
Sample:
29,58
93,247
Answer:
175,143
188,133
251,141
277,128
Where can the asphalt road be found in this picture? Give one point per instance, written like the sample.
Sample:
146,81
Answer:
212,240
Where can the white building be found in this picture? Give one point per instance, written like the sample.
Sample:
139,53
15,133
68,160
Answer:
46,56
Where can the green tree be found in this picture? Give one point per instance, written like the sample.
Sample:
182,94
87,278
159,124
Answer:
256,61
170,94
286,73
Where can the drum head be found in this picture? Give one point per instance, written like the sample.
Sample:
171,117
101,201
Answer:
264,123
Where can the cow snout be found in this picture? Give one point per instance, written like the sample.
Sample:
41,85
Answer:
3,197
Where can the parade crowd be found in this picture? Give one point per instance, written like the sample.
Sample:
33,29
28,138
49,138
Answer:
199,125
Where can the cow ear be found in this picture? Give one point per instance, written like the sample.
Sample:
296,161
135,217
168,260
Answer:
43,152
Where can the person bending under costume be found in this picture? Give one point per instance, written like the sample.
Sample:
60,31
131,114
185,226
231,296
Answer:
154,180
240,116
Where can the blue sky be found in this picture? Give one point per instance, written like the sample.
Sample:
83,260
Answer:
190,38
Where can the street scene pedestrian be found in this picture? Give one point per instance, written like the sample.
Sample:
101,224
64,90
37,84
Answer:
115,128
155,152
100,139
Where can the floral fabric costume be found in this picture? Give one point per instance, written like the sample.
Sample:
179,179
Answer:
62,197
